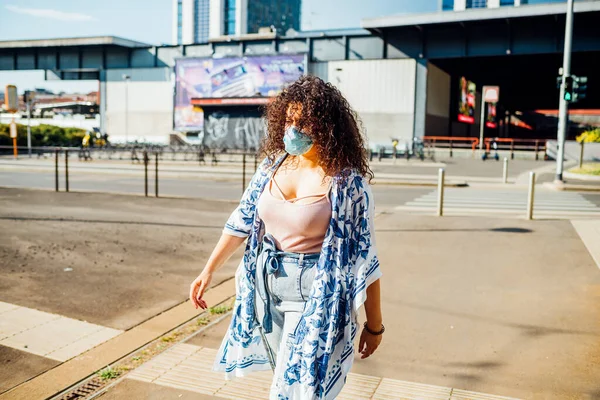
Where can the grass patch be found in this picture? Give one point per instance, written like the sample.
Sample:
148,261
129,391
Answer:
202,321
169,339
587,169
108,373
219,309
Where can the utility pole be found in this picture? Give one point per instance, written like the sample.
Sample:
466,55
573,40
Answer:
564,104
28,103
126,78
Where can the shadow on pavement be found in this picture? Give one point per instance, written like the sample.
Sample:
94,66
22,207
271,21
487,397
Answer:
527,330
96,221
500,230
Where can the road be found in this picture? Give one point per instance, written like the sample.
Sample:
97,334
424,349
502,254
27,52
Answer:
485,196
386,196
495,305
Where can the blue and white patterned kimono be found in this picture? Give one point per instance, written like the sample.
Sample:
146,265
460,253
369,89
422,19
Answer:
322,349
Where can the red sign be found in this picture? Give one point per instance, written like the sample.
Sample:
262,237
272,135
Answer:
491,125
466,101
466,118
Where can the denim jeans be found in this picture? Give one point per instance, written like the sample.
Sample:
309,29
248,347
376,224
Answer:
282,293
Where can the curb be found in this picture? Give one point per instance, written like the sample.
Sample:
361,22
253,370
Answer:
77,369
581,177
101,391
417,183
569,187
118,193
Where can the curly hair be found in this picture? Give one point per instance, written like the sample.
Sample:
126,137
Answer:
327,118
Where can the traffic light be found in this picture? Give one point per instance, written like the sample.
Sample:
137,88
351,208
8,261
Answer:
569,88
579,87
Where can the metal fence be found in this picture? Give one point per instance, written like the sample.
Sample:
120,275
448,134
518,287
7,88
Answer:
140,155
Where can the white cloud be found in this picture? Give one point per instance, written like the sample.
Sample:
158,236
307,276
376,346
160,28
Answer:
51,14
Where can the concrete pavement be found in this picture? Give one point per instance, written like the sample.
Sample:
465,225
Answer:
481,308
387,170
496,306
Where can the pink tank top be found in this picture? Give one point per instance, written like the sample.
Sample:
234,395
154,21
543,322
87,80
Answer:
296,228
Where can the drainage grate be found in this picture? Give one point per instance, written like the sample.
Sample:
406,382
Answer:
84,391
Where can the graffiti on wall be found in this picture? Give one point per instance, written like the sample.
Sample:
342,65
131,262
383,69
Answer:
233,130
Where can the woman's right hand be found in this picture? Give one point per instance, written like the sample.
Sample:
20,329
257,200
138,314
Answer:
198,287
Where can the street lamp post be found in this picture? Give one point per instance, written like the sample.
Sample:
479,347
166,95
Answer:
126,78
564,104
28,102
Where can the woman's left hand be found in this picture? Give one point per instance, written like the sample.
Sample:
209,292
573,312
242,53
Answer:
368,343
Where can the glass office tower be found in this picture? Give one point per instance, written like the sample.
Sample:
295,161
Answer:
282,14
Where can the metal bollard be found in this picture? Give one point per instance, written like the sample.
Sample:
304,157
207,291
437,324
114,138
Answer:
451,153
530,196
56,169
146,173
156,176
505,172
243,172
581,154
66,170
440,208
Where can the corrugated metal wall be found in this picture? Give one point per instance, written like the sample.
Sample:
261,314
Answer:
438,101
318,69
149,101
382,92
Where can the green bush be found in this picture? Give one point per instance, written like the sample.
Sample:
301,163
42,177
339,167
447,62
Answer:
43,135
590,136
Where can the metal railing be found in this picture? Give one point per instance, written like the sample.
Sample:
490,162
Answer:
512,145
189,153
143,156
452,142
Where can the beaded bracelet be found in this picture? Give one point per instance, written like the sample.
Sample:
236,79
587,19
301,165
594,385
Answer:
372,332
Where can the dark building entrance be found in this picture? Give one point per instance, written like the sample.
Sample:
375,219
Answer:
517,48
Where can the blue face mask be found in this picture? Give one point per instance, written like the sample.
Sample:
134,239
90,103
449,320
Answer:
296,142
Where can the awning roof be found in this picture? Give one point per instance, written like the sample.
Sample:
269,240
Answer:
69,42
477,14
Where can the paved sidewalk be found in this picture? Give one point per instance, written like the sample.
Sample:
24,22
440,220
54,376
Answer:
481,305
476,308
187,368
49,335
32,341
589,231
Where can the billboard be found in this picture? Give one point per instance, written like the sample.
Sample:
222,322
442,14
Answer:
491,120
233,80
466,102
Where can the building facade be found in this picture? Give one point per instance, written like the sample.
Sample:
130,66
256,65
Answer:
197,21
191,21
459,5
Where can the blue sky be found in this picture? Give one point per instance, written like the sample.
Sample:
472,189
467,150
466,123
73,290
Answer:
150,21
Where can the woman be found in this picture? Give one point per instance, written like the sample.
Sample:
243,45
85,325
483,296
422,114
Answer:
310,260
